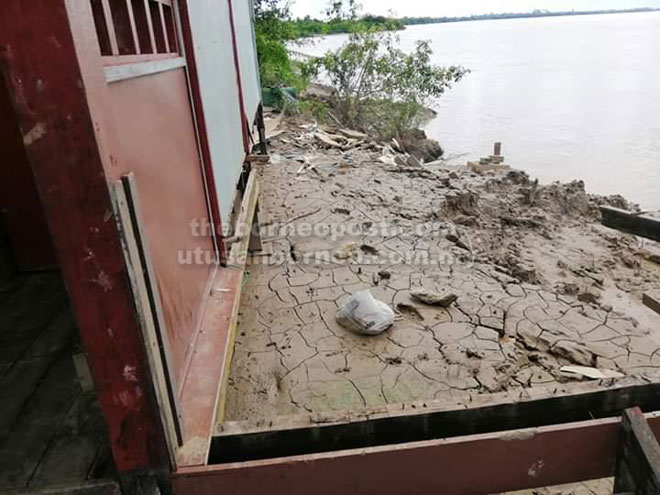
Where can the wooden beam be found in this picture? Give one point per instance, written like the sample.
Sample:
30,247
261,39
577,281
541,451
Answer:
257,158
638,461
245,221
478,464
631,223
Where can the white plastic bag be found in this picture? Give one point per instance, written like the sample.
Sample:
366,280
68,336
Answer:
365,315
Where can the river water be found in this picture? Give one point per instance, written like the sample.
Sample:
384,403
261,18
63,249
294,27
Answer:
570,97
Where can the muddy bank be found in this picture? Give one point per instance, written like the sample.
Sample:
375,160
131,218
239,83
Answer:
540,285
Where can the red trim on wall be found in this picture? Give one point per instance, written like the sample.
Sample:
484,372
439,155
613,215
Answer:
244,120
202,132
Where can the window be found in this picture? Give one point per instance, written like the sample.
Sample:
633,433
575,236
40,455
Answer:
135,27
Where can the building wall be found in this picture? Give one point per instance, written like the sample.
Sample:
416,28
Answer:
245,43
145,125
155,132
212,39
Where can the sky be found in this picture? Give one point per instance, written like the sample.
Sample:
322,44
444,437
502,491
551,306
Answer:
452,8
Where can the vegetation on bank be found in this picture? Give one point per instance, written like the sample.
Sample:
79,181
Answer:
517,15
275,28
378,88
308,27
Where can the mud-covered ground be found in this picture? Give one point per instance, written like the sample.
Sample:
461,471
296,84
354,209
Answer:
540,283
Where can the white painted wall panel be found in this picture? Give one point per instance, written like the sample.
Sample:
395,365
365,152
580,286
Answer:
247,54
211,34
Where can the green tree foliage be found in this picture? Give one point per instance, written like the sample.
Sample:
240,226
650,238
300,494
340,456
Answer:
275,29
380,88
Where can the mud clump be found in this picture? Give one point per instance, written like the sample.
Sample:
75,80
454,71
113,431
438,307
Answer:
465,202
417,143
441,299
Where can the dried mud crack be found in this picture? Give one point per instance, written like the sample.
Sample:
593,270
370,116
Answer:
540,284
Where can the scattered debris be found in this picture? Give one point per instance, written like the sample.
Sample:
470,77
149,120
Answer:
409,310
465,202
573,352
530,223
326,140
443,299
589,372
349,133
347,251
482,168
365,315
473,353
368,249
589,297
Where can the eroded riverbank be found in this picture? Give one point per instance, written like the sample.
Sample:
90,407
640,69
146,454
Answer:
541,285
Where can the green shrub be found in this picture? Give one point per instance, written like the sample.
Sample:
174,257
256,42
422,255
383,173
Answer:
380,88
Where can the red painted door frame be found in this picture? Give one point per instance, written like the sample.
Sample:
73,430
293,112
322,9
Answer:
42,71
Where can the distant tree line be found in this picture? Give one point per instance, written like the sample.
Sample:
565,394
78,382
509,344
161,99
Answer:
536,13
307,27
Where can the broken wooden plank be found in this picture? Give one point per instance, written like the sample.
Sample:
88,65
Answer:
326,140
257,158
631,223
638,460
351,134
652,300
